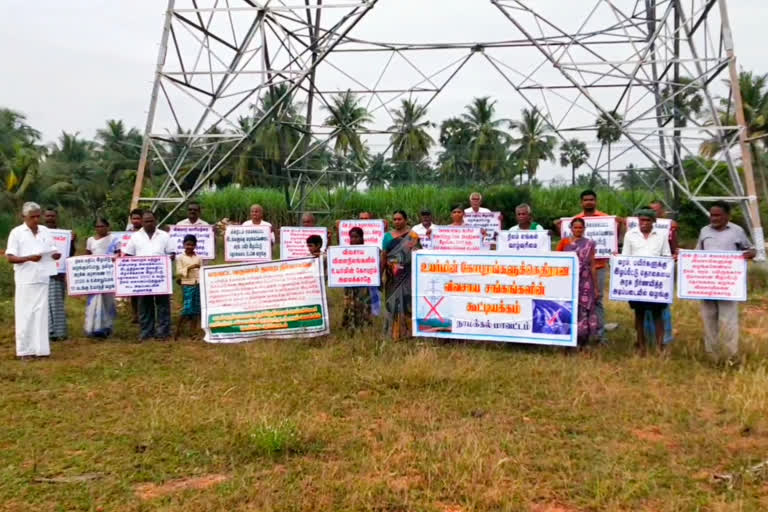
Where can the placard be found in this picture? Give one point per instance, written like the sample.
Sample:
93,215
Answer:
123,236
354,265
602,230
276,299
489,221
498,297
373,231
712,275
206,239
642,279
143,275
62,239
293,241
524,242
663,226
248,243
90,275
457,238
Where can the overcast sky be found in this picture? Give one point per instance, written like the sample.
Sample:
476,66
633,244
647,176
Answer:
72,65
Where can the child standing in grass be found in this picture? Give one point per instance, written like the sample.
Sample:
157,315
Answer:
188,270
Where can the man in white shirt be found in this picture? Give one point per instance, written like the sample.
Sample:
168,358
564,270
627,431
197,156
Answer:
524,215
32,252
424,230
193,216
647,241
257,219
475,202
154,310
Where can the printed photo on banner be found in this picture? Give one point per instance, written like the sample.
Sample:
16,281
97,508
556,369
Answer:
90,275
124,237
373,231
498,297
642,279
62,239
603,230
293,241
143,275
524,242
354,265
206,239
457,238
276,299
248,243
712,275
489,221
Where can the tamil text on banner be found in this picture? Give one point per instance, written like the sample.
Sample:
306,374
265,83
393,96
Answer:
603,230
143,275
663,226
62,239
642,279
276,299
499,297
373,231
90,275
248,243
206,239
712,275
354,265
457,238
293,241
490,222
524,242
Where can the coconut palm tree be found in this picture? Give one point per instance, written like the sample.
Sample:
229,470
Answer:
688,102
535,142
20,155
609,131
411,141
573,154
488,141
348,117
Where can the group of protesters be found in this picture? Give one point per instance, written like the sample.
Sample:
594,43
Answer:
40,313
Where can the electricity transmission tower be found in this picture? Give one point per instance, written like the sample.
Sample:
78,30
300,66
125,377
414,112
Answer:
647,69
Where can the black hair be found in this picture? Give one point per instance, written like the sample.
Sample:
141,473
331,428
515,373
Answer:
588,192
50,209
193,203
457,206
579,220
101,220
358,231
401,212
723,206
137,211
190,238
315,240
150,212
425,211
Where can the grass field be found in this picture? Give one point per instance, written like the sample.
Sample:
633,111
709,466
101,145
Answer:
366,424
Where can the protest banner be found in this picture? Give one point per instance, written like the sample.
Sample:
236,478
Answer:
90,275
457,238
354,265
124,237
143,275
276,299
712,275
603,230
62,239
206,239
248,243
524,242
663,226
488,221
499,297
642,279
373,231
293,241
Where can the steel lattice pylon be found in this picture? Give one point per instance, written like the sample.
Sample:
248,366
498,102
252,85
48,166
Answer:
633,62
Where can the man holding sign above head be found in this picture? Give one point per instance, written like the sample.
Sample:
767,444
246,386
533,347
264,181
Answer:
193,216
257,219
525,222
475,204
722,235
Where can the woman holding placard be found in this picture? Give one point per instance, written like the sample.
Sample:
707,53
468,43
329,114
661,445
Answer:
588,324
100,308
396,262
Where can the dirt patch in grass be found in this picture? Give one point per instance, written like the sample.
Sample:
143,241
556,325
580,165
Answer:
552,507
150,491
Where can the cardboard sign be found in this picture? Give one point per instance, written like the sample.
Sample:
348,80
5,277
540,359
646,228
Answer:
603,230
354,265
488,221
90,275
712,275
373,231
62,239
642,279
457,238
524,242
664,226
206,239
143,275
248,243
293,241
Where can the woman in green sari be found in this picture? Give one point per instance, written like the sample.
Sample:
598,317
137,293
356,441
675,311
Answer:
396,275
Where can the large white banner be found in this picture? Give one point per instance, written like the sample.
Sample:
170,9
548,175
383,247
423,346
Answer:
276,299
642,279
524,242
712,275
143,275
90,275
457,238
603,230
354,265
499,297
373,231
62,239
293,241
206,240
248,243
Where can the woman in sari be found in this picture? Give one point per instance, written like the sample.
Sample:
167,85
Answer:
396,263
589,292
100,308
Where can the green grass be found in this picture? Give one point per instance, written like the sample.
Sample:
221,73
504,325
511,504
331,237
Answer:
362,423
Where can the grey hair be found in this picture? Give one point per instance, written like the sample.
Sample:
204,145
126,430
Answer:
524,206
30,207
478,194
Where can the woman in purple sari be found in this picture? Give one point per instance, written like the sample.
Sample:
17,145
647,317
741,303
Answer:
589,292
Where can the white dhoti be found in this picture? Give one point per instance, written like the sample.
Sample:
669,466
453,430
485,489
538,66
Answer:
31,313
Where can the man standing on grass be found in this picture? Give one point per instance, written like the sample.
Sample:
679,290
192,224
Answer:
649,242
32,253
154,310
57,289
475,204
423,231
720,315
524,215
193,216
